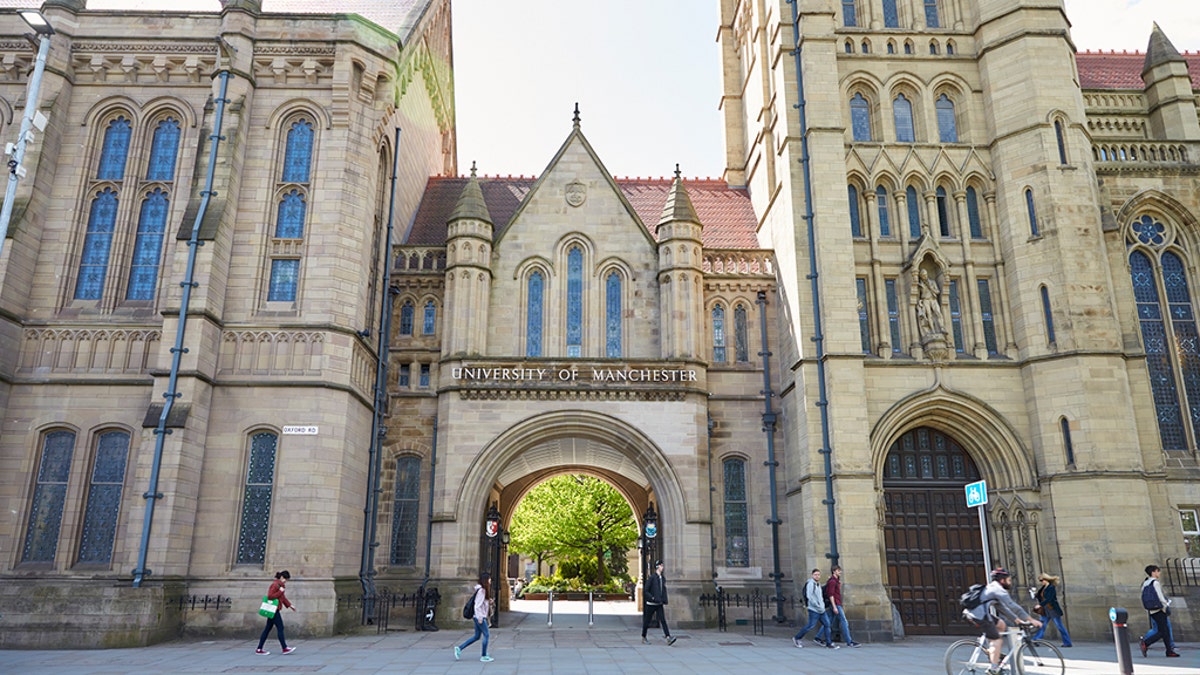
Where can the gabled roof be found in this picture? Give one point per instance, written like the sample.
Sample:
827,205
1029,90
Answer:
726,213
1123,70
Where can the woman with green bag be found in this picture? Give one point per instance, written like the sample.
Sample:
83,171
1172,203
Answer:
275,596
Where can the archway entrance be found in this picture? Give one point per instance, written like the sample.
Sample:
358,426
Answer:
932,541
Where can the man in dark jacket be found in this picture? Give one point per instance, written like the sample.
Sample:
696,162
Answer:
653,600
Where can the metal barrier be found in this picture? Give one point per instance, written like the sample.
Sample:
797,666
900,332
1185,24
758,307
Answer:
1181,573
380,606
191,602
756,601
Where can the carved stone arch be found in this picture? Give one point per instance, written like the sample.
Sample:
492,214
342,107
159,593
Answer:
888,179
534,263
983,432
1156,202
164,105
859,180
298,106
110,106
6,111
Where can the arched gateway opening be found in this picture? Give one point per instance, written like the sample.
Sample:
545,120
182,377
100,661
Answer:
933,545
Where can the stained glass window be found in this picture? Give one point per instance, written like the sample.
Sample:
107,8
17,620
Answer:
737,526
973,219
424,381
407,310
947,125
914,212
989,321
147,247
115,149
741,335
885,223
1047,315
893,309
533,321
849,13
104,498
289,223
860,118
864,324
430,318
1183,324
297,158
612,316
891,19
956,316
256,504
405,375
718,324
405,511
575,302
1062,142
1158,361
93,264
285,274
855,220
902,114
164,147
943,212
49,497
1149,231
1033,221
931,13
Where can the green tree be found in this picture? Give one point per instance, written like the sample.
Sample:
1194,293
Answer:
574,518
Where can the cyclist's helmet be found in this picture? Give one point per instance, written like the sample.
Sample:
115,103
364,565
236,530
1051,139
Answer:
999,573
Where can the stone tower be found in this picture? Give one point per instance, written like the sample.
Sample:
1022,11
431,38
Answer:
468,273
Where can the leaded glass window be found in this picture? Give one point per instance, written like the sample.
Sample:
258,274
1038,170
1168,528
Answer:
864,324
1029,207
405,375
902,114
718,326
285,275
1183,325
974,221
931,13
424,381
737,525
989,321
164,148
855,219
1158,361
147,247
289,221
405,513
885,223
93,264
1149,231
893,310
49,497
104,498
741,335
947,125
114,151
612,316
1068,446
943,212
430,318
956,317
297,158
407,311
1061,141
860,118
1047,315
849,13
891,18
533,319
256,501
575,302
914,212
926,454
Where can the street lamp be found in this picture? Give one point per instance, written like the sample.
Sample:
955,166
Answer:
494,539
648,539
16,151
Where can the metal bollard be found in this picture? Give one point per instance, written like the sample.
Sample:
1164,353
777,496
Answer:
591,621
550,609
1120,617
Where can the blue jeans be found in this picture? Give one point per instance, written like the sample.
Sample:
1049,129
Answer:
1062,630
1160,629
814,618
481,628
830,617
277,622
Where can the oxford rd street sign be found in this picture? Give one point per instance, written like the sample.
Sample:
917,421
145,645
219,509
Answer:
977,494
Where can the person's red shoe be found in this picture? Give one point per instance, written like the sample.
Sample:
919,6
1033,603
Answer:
1172,653
1142,644
289,650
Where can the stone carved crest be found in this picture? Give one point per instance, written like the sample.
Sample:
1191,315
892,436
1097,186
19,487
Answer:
576,193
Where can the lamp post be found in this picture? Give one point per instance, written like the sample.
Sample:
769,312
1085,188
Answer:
44,30
649,539
494,541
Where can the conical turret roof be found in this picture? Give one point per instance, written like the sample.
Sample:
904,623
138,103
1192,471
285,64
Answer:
679,204
1160,50
470,202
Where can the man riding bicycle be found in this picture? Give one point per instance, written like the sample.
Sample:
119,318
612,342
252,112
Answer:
996,593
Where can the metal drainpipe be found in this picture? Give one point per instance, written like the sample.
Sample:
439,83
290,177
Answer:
769,418
818,333
366,574
161,431
712,526
429,523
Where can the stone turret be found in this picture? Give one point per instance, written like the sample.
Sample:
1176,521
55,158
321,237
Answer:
468,272
1169,92
681,300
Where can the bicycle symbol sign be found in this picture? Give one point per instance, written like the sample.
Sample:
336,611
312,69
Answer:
977,494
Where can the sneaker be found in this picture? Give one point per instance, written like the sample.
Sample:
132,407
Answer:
1144,646
1068,645
796,641
261,652
994,671
1172,653
457,652
830,645
486,659
288,650
854,644
645,641
819,641
670,640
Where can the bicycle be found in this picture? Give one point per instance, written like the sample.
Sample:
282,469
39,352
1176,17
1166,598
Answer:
1031,657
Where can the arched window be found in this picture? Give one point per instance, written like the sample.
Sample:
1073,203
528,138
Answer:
49,497
152,224
908,48
1062,142
956,317
974,221
855,219
430,319
947,126
407,312
849,48
914,212
164,148
1033,221
741,335
292,211
104,498
849,13
297,158
93,264
933,47
115,150
612,316
737,519
931,14
575,302
1068,446
406,511
1047,315
881,200
256,500
943,212
891,47
987,317
891,18
927,454
718,328
902,114
864,322
860,117
893,313
533,316
866,47
289,218
950,48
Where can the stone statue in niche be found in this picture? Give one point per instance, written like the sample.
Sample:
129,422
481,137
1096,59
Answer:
929,306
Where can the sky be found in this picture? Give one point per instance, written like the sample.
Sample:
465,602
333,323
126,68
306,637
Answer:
645,73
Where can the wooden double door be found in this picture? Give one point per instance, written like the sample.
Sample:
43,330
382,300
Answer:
933,545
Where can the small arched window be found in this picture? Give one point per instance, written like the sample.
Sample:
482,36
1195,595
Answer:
407,317
1032,211
430,318
902,114
1068,445
891,47
947,125
406,511
297,157
741,335
97,242
533,317
885,222
1062,142
908,48
949,49
943,213
718,329
575,302
256,500
855,219
114,152
49,497
1048,316
914,212
164,148
737,520
612,315
860,117
933,47
973,218
849,47
866,47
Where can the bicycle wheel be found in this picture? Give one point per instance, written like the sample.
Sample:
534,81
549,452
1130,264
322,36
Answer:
1038,657
966,657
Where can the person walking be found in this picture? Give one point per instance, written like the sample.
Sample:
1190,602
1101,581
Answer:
276,592
816,612
653,602
482,598
834,611
1047,601
1158,605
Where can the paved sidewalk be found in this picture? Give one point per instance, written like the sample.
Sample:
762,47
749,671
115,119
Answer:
524,644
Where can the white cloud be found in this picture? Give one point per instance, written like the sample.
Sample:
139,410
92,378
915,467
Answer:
1126,24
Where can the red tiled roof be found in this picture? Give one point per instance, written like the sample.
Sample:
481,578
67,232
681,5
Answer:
1113,70
726,213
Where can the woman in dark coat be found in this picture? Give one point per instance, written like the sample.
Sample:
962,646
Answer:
1047,600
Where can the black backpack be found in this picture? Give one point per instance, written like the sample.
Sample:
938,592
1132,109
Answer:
469,608
972,598
1150,598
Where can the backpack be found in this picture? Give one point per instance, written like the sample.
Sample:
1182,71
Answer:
469,608
972,598
1150,598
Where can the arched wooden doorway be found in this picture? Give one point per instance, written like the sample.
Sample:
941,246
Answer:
933,546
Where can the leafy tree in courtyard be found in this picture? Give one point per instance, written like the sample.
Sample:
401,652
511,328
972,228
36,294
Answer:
575,519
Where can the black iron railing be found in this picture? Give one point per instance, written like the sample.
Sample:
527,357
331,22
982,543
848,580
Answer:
755,601
1181,573
381,606
204,603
